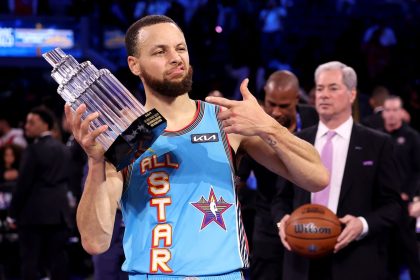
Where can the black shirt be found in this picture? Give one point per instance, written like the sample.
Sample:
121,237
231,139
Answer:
407,148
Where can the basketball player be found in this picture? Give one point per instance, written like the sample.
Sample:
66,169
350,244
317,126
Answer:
173,231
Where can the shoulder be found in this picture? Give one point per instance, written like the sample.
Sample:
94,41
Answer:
208,106
50,140
53,145
307,132
308,115
410,131
306,108
370,132
374,140
233,139
208,109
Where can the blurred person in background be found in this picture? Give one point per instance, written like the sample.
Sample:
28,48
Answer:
39,207
9,134
10,159
407,150
413,104
9,164
407,145
376,102
78,161
271,22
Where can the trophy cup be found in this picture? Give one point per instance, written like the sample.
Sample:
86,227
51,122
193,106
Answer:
131,129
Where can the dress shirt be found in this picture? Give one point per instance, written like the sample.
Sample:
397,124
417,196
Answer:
340,148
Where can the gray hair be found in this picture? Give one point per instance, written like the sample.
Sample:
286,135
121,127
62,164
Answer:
349,75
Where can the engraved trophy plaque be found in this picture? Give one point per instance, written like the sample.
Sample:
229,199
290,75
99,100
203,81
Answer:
131,129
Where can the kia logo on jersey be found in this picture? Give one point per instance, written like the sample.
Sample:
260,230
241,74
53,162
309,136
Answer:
205,137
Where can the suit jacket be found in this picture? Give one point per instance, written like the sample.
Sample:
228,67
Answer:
374,120
308,115
40,197
370,189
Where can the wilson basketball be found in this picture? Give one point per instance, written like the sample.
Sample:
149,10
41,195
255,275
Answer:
312,230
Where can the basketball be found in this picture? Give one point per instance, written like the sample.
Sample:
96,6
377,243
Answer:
312,230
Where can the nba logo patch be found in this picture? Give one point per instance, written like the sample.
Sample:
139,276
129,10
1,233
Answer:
213,209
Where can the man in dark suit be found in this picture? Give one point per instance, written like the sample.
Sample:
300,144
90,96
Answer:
39,205
376,101
363,189
407,143
280,102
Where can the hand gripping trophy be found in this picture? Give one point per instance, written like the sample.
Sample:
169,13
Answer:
130,128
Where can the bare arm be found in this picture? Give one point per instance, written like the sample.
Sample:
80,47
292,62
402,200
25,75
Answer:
103,188
269,143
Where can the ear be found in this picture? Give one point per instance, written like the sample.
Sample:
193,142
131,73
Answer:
372,102
134,65
353,95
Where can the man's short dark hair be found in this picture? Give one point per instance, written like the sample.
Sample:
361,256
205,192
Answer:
46,115
395,97
133,30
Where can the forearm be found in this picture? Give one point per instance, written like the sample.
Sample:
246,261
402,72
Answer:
301,162
96,210
269,143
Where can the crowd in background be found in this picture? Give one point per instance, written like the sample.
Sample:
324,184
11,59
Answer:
228,41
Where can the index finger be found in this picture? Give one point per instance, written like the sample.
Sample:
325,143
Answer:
79,112
221,101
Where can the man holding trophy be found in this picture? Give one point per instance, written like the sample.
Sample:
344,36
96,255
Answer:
178,197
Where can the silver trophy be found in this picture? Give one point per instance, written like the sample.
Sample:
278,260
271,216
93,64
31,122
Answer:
131,129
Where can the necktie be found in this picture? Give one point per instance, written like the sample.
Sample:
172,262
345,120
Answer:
322,197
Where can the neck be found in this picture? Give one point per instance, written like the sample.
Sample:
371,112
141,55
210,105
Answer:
45,133
178,111
334,122
390,127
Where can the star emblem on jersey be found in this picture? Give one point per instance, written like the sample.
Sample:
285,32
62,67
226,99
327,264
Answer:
212,209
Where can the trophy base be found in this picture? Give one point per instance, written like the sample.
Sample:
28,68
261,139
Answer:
139,136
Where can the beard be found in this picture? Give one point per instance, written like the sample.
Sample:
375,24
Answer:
168,88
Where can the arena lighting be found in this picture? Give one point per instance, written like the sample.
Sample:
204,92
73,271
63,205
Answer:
218,29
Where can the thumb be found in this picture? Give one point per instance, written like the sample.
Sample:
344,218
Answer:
345,219
246,94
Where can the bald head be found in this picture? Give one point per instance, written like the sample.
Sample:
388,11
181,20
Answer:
281,97
282,80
